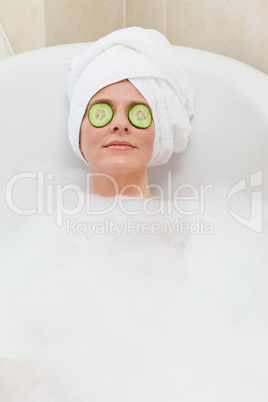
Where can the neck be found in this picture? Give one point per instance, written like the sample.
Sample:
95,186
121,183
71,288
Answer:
125,183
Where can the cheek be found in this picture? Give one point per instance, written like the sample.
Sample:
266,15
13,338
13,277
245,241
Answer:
150,137
88,136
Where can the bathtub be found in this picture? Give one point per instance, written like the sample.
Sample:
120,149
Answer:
229,128
205,357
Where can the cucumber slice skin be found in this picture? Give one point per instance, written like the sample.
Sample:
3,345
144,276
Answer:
145,115
106,112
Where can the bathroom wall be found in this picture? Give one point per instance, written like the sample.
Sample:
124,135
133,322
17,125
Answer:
70,21
235,28
24,23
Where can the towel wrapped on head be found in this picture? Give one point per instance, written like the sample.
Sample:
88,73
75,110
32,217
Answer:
147,59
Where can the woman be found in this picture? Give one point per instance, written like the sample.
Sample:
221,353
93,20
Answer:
131,103
119,149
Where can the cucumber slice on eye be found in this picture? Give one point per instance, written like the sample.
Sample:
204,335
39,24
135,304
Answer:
140,116
100,114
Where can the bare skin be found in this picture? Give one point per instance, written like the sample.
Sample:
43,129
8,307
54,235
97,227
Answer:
118,169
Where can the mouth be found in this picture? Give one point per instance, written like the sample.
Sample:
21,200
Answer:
121,145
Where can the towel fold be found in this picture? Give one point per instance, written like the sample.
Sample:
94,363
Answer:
146,58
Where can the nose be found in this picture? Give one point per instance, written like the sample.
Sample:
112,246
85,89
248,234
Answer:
120,123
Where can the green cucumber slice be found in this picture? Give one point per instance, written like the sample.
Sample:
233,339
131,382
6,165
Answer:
100,114
140,116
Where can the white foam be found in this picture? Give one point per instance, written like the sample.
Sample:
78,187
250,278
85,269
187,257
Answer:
149,315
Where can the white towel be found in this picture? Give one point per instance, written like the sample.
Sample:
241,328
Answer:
148,60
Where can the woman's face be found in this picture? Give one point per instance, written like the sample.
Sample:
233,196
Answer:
94,141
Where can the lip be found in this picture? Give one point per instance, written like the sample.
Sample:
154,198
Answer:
123,145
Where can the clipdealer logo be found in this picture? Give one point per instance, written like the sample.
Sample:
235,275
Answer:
50,198
255,221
